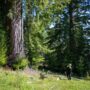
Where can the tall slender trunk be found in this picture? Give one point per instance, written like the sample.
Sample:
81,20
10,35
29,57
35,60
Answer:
71,32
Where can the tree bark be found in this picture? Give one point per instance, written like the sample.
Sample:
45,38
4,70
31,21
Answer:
17,30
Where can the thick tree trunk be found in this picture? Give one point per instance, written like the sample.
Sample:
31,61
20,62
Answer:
17,30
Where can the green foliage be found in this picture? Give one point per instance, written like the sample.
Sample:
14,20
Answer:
38,59
81,66
3,47
67,38
10,14
20,63
39,17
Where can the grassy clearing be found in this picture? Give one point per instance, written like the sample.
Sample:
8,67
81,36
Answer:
10,80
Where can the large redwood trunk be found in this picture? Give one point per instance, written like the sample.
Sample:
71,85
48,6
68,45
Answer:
17,30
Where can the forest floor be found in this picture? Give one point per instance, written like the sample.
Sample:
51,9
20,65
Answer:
29,79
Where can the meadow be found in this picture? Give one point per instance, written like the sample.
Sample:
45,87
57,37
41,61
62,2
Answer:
19,80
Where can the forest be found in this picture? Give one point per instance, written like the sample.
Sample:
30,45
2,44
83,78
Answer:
45,35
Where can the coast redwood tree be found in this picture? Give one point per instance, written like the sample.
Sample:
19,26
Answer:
16,26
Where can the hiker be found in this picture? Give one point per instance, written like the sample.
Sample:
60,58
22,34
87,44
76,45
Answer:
69,71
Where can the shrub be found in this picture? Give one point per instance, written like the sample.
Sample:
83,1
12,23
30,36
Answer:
3,47
20,63
37,61
3,58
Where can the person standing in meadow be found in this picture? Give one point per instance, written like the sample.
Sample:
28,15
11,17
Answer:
69,71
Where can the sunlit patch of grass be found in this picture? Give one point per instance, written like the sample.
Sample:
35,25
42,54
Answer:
16,80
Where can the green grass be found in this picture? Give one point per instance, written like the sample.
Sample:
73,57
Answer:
10,80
